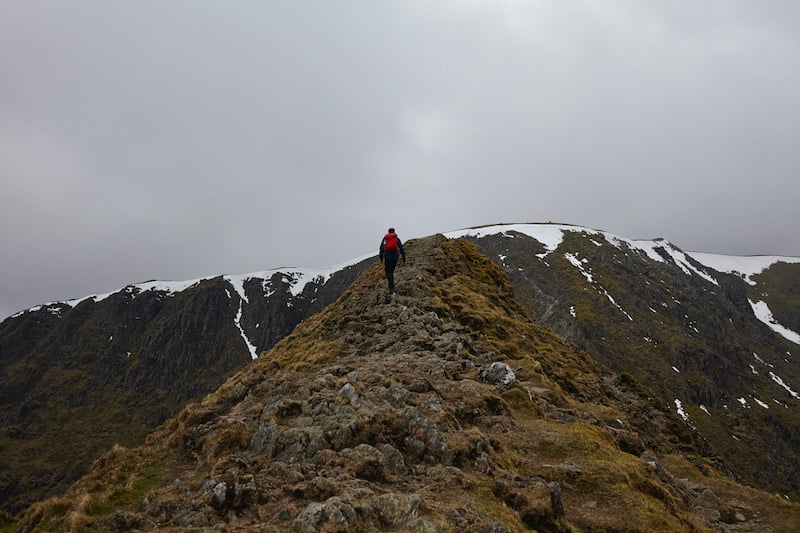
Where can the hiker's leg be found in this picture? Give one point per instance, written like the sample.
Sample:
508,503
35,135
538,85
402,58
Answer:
390,264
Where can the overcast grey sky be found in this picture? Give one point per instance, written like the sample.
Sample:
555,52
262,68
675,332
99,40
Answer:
183,138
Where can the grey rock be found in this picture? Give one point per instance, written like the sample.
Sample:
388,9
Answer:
498,374
555,499
392,459
220,492
348,392
365,461
394,510
321,488
264,438
334,514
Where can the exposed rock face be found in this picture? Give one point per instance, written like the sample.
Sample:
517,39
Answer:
441,408
76,380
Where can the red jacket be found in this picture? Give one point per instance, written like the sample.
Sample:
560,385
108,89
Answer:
388,238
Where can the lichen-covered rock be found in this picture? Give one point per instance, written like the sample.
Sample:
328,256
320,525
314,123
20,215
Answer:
395,510
334,515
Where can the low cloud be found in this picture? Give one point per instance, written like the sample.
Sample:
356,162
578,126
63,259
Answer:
151,140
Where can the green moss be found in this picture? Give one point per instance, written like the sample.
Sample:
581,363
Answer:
491,508
519,400
132,492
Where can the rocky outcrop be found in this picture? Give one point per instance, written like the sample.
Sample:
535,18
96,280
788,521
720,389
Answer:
441,408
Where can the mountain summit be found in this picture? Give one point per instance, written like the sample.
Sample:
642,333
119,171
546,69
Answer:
442,408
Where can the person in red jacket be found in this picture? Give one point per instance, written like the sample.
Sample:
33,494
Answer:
390,251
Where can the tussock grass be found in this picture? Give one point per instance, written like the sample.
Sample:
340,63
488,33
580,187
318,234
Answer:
119,479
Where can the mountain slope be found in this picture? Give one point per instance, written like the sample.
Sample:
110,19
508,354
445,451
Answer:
443,408
80,376
701,338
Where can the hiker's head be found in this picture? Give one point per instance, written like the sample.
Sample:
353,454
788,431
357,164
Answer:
391,230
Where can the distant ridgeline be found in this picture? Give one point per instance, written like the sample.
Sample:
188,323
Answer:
77,377
714,337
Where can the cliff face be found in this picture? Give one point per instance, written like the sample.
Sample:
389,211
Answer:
442,408
682,329
77,378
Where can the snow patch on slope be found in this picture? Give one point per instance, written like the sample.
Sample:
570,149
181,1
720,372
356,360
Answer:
763,313
747,267
550,235
237,282
682,412
296,277
744,266
238,322
777,379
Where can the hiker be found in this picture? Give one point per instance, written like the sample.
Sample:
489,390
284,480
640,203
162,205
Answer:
390,251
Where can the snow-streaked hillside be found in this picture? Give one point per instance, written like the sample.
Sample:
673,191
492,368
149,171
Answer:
551,236
296,277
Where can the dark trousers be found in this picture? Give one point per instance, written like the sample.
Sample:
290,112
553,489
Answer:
389,263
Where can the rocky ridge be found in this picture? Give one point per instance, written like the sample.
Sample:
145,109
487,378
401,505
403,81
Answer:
443,408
